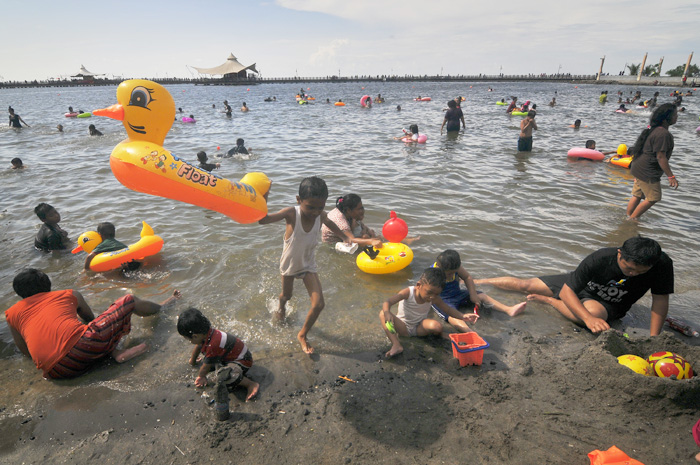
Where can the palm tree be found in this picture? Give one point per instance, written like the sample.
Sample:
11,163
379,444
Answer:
651,70
634,69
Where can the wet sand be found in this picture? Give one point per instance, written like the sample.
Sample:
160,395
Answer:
547,399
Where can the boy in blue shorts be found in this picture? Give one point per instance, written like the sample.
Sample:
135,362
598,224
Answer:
455,296
411,319
223,352
301,236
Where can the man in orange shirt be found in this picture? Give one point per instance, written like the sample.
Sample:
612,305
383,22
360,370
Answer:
59,331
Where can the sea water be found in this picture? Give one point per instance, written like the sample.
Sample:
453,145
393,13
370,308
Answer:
507,213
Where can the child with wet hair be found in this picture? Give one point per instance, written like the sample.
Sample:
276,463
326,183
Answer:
202,157
107,232
17,164
414,304
50,235
223,352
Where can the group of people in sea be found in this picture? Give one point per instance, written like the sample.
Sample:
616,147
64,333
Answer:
600,290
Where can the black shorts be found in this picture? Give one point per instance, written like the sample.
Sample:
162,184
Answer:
524,144
556,282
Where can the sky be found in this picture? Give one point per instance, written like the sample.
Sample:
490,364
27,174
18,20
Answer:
318,38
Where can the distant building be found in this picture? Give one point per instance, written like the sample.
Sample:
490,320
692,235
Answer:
85,75
231,70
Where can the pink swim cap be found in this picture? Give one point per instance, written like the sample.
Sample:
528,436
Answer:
526,103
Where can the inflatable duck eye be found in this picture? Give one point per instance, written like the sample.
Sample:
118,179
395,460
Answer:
140,97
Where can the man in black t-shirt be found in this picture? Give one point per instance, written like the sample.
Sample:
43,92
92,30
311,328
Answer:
605,285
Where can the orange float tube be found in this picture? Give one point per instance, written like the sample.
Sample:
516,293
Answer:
140,162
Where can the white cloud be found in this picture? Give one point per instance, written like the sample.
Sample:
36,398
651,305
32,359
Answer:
327,53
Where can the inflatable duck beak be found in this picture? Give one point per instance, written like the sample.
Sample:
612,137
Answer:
77,249
116,111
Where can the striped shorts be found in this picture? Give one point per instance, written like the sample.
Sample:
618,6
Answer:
101,338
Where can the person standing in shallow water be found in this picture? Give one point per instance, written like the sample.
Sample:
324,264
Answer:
526,127
15,119
652,152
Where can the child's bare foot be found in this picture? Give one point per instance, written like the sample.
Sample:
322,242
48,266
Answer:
305,346
252,390
395,350
171,300
278,317
517,309
122,356
697,457
539,298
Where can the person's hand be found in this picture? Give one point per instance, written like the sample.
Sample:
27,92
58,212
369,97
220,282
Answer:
673,182
195,361
376,243
200,382
597,325
470,317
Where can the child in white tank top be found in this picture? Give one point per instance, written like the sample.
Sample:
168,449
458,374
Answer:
414,304
302,234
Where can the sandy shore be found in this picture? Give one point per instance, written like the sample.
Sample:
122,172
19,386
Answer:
535,400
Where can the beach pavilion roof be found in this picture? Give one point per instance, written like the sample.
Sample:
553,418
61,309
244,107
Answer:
85,73
231,66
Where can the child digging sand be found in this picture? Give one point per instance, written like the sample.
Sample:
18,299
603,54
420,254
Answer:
222,351
450,262
302,234
412,319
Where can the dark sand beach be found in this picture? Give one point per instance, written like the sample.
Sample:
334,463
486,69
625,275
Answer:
535,400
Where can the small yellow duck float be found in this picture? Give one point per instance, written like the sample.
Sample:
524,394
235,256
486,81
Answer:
148,245
140,162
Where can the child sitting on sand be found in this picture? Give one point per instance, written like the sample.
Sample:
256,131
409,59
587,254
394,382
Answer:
202,157
302,233
453,295
50,235
223,352
411,319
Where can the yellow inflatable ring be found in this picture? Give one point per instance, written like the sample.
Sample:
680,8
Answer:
141,163
392,257
148,245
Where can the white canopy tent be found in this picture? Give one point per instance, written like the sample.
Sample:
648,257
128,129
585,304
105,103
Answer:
84,73
230,67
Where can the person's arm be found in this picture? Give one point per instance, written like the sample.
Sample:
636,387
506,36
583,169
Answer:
461,116
84,311
19,341
573,303
391,301
195,354
469,283
88,260
20,118
284,214
201,380
534,124
454,313
659,311
663,163
349,237
444,121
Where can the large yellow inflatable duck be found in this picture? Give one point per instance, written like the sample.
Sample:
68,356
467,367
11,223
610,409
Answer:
148,245
140,162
